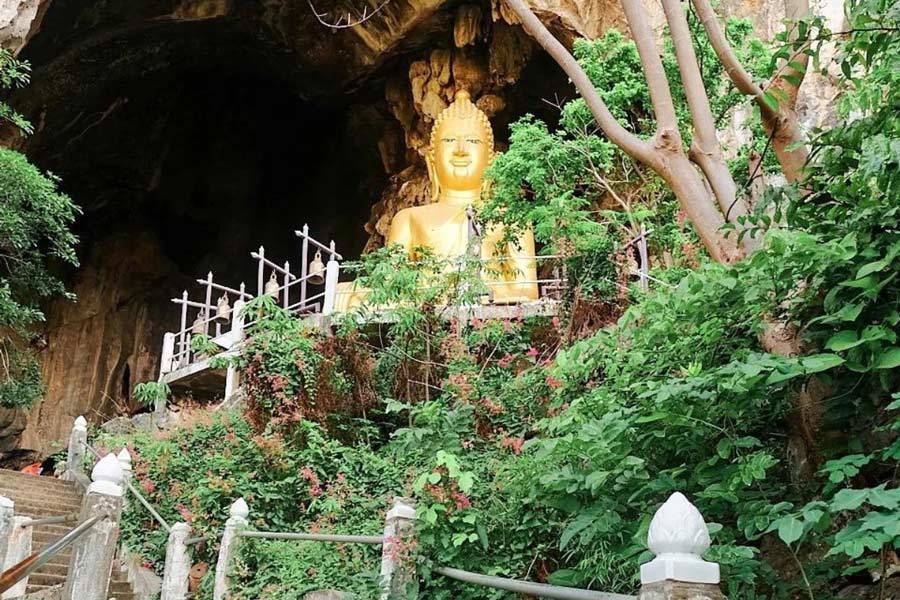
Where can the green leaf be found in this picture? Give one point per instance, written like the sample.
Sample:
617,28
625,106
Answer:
816,363
849,499
790,529
888,359
843,340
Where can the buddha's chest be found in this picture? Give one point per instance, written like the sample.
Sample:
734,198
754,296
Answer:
445,232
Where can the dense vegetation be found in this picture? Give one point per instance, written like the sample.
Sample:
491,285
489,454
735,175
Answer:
539,448
35,222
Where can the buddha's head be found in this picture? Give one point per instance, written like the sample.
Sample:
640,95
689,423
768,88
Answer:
462,146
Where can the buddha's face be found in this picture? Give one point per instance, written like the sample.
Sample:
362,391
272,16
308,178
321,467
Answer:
461,154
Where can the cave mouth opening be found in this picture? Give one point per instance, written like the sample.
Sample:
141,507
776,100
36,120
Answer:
217,164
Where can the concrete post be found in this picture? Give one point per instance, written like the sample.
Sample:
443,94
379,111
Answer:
332,272
398,572
7,510
124,458
18,548
228,548
178,564
75,458
168,354
92,555
15,543
678,537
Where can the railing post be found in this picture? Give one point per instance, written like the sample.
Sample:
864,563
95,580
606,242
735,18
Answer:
16,544
332,271
92,556
7,510
678,537
124,458
75,457
168,353
178,564
398,572
228,547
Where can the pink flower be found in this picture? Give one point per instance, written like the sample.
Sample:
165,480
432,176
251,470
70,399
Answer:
553,381
462,501
532,352
556,322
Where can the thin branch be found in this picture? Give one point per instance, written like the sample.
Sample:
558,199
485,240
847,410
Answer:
733,67
346,21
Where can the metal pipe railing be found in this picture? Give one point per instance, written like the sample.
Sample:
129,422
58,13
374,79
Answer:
374,540
274,266
330,249
16,573
50,520
137,495
541,590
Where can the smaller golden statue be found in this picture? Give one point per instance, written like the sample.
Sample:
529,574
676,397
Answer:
462,147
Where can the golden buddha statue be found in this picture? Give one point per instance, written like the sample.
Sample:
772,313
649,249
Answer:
462,147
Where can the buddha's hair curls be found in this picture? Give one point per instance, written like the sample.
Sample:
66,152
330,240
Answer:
462,107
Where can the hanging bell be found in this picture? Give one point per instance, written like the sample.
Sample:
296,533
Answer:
272,286
317,270
198,328
223,310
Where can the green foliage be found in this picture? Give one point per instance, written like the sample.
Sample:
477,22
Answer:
311,482
35,221
13,74
151,393
531,457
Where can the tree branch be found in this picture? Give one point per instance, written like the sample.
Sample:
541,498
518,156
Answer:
617,134
705,150
660,93
781,121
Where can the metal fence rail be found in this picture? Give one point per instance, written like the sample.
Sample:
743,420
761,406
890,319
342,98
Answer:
542,590
374,540
16,573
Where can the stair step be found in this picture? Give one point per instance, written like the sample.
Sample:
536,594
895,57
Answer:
44,497
16,479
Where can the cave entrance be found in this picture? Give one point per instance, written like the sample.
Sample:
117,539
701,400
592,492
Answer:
216,165
191,138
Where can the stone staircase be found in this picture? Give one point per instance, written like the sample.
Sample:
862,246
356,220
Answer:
46,497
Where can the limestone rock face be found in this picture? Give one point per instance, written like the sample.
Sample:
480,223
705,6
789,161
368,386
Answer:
18,18
104,343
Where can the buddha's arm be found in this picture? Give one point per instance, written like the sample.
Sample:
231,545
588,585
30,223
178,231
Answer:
401,231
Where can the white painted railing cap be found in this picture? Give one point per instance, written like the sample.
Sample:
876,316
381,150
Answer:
124,457
678,537
402,509
80,424
7,502
181,528
107,476
239,509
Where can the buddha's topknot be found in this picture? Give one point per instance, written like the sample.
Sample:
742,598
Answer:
462,107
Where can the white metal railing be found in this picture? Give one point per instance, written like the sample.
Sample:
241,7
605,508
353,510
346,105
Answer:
289,288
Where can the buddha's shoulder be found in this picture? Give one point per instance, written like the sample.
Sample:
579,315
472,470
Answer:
415,213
